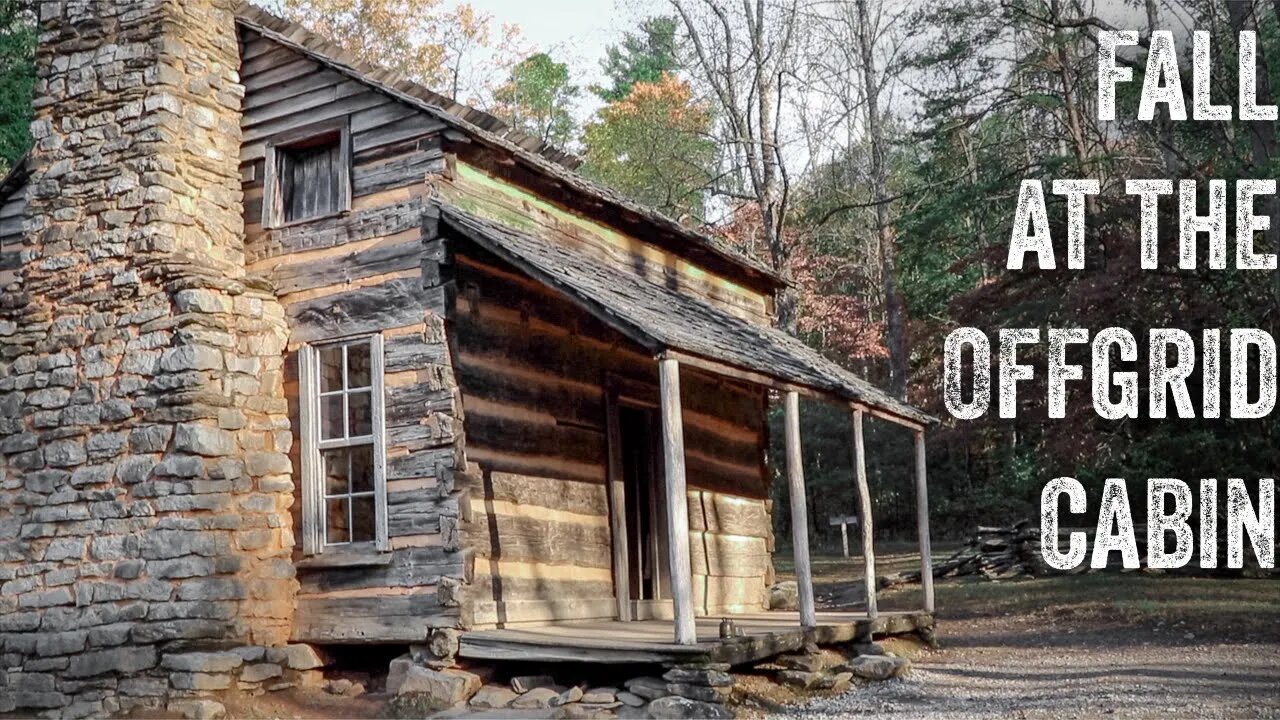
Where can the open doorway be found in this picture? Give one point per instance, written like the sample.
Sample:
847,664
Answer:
643,511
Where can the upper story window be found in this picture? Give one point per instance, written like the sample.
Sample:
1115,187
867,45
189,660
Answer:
308,176
343,446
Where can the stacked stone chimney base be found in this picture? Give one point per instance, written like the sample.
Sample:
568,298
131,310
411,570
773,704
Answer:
145,480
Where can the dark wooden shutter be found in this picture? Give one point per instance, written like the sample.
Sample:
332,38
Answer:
311,181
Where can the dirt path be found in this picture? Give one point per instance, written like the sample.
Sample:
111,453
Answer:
1024,672
1094,646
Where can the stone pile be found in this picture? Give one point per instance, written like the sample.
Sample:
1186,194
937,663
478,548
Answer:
784,595
830,671
693,691
681,692
193,677
189,680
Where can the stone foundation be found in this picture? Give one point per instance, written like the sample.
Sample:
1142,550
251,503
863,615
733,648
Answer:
683,691
145,482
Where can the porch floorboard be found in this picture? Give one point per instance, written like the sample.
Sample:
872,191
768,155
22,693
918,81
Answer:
651,641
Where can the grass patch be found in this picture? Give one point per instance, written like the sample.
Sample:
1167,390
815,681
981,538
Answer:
1227,606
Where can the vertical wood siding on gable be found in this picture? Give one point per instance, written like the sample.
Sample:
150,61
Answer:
311,181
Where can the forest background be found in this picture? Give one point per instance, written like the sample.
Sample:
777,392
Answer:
871,152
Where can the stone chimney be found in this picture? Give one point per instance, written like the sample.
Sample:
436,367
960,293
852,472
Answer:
145,483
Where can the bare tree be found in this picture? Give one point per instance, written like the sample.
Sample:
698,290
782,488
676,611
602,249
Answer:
873,78
856,65
1163,122
743,56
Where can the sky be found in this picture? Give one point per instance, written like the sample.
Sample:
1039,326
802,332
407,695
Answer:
575,32
572,31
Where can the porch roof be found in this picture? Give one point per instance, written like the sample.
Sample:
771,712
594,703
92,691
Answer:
664,320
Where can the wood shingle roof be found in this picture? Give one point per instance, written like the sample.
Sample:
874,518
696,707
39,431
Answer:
661,319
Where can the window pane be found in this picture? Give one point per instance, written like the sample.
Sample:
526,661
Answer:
336,472
330,368
358,365
361,408
337,525
363,513
344,392
331,417
361,468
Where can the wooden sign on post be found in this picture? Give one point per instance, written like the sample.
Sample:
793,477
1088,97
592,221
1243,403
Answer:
844,521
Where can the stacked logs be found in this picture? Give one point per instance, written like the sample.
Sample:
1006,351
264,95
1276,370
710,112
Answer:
992,552
999,553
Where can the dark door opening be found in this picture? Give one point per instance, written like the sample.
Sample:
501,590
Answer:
644,511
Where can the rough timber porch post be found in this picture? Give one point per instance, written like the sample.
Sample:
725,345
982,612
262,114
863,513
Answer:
799,513
922,523
864,514
677,502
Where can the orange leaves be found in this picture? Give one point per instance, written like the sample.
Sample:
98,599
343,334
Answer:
391,33
439,46
653,145
829,308
830,289
669,98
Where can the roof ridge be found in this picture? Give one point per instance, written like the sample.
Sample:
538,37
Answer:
299,35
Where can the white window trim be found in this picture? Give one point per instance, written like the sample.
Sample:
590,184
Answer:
313,491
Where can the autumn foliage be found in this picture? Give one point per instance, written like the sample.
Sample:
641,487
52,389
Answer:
653,145
834,312
454,50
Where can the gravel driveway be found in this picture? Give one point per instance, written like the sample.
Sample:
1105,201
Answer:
1033,667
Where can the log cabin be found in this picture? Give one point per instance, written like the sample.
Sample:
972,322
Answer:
298,350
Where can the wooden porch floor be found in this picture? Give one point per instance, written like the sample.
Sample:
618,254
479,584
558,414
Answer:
650,641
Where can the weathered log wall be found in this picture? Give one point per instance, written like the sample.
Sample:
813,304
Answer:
358,273
519,518
533,369
393,147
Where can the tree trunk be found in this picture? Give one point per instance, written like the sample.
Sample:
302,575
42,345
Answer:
1075,123
895,310
1071,106
1262,133
786,311
750,114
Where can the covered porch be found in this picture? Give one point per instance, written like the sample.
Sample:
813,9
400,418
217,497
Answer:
687,336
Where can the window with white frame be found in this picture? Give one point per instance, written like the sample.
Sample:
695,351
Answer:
343,446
